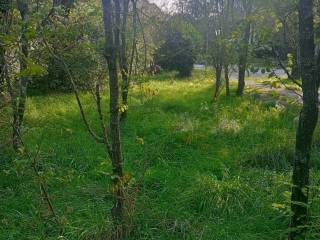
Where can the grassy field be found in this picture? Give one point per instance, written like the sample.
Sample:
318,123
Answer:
199,169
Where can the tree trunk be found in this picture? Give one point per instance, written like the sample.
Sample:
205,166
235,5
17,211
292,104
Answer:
2,70
307,122
112,32
241,80
218,81
226,76
4,12
126,84
244,56
21,95
123,58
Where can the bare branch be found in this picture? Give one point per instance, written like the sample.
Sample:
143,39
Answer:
285,69
285,85
144,42
76,92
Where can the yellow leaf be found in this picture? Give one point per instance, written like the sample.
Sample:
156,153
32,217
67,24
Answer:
140,141
278,206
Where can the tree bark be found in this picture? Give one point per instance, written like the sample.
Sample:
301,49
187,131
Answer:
20,99
112,32
307,122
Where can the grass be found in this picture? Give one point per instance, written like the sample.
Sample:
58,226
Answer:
200,170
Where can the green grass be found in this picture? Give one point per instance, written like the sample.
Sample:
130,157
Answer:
203,170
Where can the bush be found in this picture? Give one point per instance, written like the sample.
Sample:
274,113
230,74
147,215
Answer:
176,54
57,78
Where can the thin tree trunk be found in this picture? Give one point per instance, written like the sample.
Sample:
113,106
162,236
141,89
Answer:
123,58
21,95
218,81
2,69
226,76
207,29
126,83
112,49
241,80
244,55
307,122
4,15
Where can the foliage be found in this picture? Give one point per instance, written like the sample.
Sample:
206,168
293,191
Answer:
176,53
78,43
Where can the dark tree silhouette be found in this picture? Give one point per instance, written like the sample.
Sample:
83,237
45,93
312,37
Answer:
176,54
307,123
112,22
244,46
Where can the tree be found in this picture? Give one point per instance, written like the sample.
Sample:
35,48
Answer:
176,54
112,21
125,72
17,62
58,17
307,122
287,13
220,42
109,137
4,14
246,5
19,96
215,20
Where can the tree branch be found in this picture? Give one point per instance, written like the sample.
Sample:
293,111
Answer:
76,92
285,69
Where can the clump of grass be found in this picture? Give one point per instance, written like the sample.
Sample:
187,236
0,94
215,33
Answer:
278,158
211,196
229,126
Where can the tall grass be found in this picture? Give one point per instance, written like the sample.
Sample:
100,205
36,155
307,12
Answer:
199,170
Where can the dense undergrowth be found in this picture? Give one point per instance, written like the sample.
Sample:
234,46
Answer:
196,169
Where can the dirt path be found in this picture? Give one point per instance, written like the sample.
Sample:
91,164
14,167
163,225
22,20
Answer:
266,87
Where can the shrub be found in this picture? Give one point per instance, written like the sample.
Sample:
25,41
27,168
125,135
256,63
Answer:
176,54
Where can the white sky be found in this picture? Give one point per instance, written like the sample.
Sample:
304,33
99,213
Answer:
162,3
